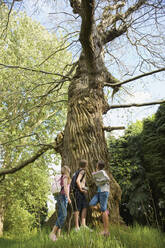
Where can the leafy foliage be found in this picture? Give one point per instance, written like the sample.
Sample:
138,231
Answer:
154,160
28,98
33,107
137,161
24,196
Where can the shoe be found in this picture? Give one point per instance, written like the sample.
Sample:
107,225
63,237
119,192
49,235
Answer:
76,229
52,236
87,228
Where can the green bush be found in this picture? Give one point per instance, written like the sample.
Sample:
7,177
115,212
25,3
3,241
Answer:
18,221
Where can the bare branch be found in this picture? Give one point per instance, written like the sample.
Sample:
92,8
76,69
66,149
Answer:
134,78
136,104
110,129
59,50
114,33
22,137
134,8
34,70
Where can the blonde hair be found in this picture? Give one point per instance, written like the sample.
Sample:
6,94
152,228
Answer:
66,171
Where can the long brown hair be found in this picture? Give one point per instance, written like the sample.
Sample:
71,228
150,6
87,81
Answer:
66,171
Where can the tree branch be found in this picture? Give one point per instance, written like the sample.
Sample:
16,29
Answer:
23,164
8,18
34,70
110,129
76,6
87,31
135,105
57,146
59,50
22,137
134,8
134,78
114,33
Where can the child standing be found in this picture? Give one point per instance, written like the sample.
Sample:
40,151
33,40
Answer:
62,202
102,182
80,203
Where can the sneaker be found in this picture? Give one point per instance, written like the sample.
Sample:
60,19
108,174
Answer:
52,236
87,228
77,229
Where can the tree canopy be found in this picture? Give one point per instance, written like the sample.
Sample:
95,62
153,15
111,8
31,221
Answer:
33,102
29,121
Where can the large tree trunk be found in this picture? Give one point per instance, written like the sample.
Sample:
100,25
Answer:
84,136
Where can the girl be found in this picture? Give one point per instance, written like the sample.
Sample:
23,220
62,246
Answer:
62,202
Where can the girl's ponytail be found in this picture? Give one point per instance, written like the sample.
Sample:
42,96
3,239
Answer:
67,173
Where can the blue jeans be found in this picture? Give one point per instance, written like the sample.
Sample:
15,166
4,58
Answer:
102,198
62,203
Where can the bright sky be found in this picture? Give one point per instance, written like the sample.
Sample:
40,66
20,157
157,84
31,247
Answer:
154,90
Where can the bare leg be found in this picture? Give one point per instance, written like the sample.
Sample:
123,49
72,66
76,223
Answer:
58,232
83,217
55,229
105,222
52,235
76,219
96,208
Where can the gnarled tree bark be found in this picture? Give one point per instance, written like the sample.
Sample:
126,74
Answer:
83,136
84,131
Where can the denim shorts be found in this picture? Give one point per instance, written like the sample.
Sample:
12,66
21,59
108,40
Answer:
102,198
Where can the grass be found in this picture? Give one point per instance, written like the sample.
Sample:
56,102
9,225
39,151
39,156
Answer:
121,237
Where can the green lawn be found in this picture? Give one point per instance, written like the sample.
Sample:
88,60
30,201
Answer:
123,237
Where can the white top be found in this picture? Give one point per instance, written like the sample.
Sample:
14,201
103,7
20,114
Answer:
55,185
102,180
